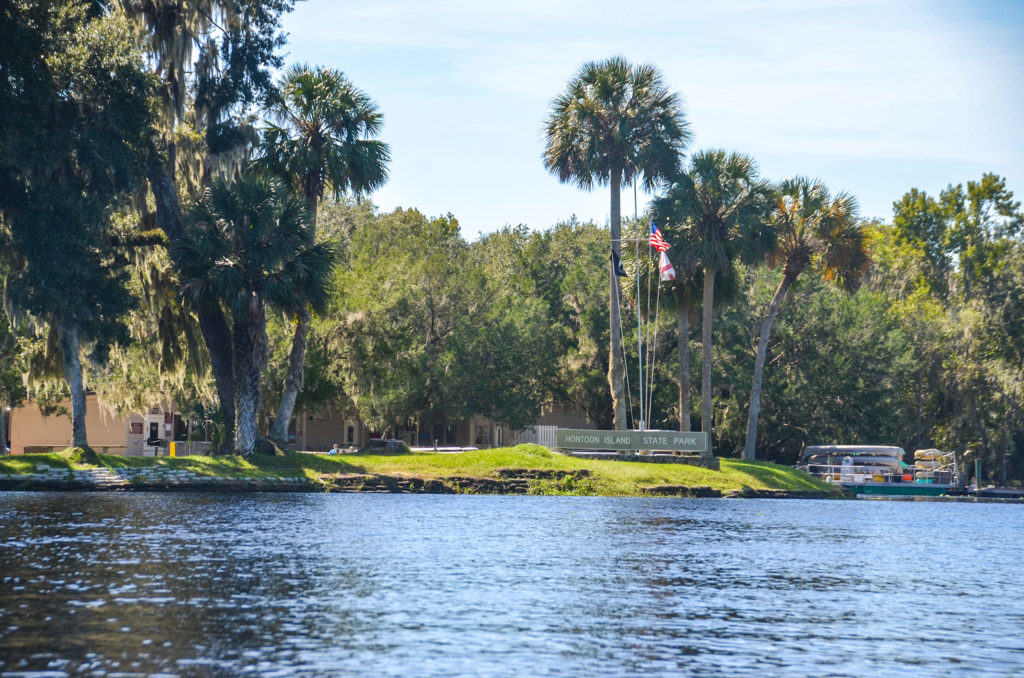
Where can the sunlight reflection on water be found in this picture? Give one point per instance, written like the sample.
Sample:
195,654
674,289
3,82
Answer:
305,584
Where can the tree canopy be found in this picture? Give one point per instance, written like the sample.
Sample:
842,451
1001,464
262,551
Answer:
145,254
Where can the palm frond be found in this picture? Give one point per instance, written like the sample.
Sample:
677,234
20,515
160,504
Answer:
321,135
614,116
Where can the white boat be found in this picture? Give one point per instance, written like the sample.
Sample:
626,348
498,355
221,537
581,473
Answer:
872,470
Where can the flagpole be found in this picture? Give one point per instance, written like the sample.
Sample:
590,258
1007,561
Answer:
653,345
650,361
620,272
639,326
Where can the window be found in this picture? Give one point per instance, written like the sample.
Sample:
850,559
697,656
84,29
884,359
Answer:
180,428
350,435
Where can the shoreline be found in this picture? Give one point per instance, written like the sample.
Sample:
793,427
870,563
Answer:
465,485
521,482
520,470
377,484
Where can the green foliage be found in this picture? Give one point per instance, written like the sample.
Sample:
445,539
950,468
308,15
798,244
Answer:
322,382
90,117
919,223
841,372
819,230
250,243
216,56
565,269
89,120
952,269
81,456
13,359
427,335
965,229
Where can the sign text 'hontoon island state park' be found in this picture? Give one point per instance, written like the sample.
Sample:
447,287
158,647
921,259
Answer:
669,441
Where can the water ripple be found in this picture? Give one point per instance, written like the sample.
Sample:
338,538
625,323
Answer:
283,585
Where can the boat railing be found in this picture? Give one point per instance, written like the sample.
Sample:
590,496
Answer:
854,473
838,473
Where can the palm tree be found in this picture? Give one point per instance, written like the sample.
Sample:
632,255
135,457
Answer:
615,123
249,248
212,60
684,290
320,138
818,231
718,213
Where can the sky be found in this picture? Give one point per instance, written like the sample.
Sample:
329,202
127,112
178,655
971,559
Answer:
872,97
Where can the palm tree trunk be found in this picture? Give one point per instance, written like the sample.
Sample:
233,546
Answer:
69,349
762,352
292,379
247,390
616,368
217,336
705,377
297,357
683,331
212,323
3,428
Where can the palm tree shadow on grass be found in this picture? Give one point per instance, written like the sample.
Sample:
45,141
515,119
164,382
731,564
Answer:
775,476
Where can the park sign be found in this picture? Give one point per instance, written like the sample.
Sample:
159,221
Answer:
667,441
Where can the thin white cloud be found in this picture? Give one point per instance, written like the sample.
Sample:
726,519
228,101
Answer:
829,86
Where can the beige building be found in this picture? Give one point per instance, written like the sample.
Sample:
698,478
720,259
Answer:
109,433
134,435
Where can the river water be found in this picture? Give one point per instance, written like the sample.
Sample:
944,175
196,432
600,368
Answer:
123,584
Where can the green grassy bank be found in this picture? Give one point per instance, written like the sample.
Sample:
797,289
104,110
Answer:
544,472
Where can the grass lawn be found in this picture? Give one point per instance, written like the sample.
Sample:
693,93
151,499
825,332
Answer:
609,478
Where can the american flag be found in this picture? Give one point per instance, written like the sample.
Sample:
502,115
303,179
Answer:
657,242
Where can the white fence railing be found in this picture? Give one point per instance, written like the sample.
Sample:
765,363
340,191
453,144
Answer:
540,435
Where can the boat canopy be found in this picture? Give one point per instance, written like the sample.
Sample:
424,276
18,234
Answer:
852,451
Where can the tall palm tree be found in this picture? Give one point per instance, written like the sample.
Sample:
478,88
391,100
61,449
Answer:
249,249
320,138
615,123
718,212
212,60
818,231
684,289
